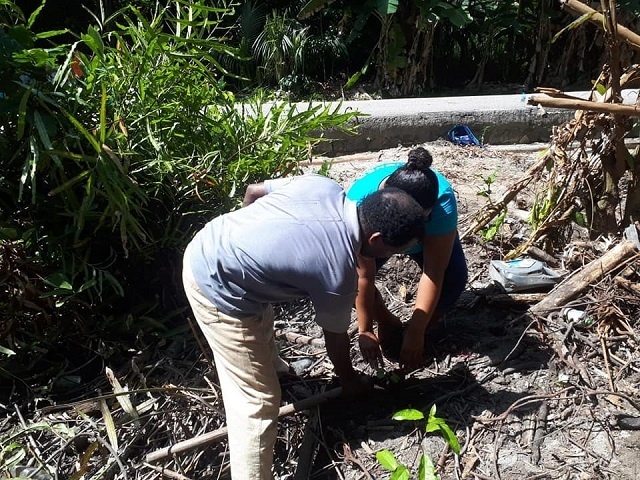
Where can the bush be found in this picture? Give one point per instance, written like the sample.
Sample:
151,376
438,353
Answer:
117,147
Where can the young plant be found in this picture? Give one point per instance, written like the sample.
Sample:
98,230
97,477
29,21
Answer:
426,469
488,181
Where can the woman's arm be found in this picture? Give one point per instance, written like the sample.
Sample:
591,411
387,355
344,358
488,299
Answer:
436,255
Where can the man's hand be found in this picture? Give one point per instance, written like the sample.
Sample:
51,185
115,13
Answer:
370,349
356,384
411,355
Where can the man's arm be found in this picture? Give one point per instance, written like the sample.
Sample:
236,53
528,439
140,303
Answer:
365,305
338,347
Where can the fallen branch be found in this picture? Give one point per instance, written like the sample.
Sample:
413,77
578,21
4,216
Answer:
510,298
222,432
494,209
591,273
293,337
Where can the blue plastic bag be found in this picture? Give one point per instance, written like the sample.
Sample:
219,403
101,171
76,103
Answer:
462,135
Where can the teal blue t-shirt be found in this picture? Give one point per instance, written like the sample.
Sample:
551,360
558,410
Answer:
444,216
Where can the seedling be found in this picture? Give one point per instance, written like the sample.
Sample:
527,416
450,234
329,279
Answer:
426,469
488,181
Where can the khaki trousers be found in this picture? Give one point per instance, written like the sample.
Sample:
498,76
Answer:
245,357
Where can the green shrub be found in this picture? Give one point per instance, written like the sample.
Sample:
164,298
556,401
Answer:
118,147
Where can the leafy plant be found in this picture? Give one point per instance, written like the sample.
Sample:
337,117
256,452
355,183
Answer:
491,230
115,149
488,181
426,469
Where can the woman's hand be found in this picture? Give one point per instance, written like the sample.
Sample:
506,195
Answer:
370,349
411,355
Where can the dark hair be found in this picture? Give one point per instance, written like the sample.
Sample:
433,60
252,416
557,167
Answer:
393,213
416,178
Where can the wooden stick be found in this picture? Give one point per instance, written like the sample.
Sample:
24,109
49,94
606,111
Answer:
293,337
578,9
510,298
574,285
222,432
569,103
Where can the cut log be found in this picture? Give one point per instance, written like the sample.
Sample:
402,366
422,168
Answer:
582,279
220,433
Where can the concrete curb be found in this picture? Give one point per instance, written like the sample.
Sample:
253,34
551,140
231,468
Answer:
494,119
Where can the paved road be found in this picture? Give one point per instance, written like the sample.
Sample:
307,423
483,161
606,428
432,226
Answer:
495,119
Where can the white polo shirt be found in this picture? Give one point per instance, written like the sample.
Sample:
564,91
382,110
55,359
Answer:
299,240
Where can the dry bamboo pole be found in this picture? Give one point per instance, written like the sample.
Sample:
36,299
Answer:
578,8
575,104
220,433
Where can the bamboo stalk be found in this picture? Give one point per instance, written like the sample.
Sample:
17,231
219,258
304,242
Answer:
575,104
578,8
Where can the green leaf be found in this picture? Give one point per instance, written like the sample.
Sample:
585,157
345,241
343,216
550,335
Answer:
12,455
575,24
44,136
387,460
8,233
580,218
59,280
87,135
426,470
450,437
6,351
34,15
387,7
433,425
22,113
22,35
50,33
601,89
408,414
69,183
457,15
401,473
93,40
312,7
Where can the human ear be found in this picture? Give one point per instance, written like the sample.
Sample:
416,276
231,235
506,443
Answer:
375,239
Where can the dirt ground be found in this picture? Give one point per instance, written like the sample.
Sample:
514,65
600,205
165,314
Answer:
500,378
528,397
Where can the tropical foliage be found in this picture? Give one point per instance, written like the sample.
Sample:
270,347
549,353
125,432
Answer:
115,148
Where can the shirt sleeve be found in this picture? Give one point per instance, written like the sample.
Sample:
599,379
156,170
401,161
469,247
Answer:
444,216
333,311
276,183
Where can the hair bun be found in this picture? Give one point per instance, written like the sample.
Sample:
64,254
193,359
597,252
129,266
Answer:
419,159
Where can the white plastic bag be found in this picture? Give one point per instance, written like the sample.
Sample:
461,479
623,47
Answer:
523,274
